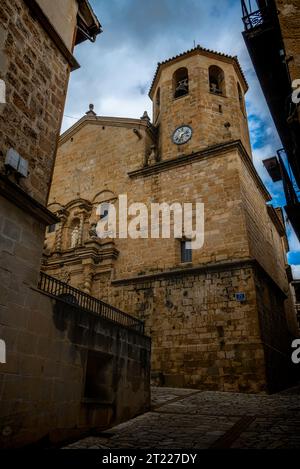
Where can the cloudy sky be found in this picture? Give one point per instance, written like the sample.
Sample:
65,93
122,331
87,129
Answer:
117,70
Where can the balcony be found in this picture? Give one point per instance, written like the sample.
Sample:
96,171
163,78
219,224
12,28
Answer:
256,18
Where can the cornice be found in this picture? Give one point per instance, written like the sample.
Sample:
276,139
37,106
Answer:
106,121
209,152
201,269
201,51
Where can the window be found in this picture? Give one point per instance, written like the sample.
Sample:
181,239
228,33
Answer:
216,80
180,82
241,98
51,228
186,251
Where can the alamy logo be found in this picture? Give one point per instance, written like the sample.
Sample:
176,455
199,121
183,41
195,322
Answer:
2,351
296,353
2,92
296,92
161,221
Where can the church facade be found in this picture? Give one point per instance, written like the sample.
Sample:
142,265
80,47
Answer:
219,317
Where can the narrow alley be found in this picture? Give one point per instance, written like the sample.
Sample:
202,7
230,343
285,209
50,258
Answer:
187,418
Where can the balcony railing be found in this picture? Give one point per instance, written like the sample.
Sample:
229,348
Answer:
72,296
255,19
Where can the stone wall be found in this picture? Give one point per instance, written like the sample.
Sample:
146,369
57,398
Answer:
36,76
205,112
275,333
265,238
99,160
65,372
62,15
201,336
42,384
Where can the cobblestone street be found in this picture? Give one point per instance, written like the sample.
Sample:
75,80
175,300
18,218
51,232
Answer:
186,418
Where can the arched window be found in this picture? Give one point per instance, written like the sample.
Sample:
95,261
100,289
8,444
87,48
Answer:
181,82
216,80
241,98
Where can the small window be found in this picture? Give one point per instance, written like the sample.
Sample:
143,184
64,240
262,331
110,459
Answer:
241,98
180,82
51,228
216,80
186,251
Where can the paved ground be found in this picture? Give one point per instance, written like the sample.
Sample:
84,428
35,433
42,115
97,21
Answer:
185,418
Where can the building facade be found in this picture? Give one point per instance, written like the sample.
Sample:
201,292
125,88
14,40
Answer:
48,372
217,316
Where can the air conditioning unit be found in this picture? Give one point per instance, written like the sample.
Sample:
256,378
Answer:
15,162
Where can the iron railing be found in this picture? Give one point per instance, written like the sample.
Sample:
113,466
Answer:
255,19
260,16
77,298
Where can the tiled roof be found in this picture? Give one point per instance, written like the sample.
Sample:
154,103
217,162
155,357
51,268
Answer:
202,49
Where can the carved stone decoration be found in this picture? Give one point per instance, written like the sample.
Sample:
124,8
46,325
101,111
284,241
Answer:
74,237
87,287
62,215
91,112
227,135
46,250
152,156
93,231
145,117
80,235
63,276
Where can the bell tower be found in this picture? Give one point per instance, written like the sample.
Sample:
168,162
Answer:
198,102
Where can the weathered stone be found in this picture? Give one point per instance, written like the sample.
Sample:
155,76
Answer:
183,309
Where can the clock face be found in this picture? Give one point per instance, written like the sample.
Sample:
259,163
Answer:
182,135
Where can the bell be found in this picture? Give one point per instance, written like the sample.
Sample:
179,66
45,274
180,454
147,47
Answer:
181,89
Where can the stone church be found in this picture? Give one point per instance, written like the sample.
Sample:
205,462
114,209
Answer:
219,317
